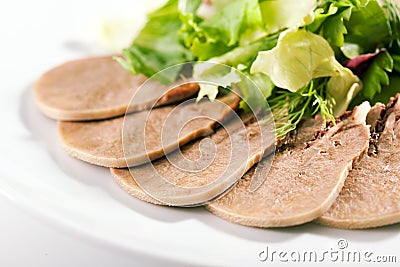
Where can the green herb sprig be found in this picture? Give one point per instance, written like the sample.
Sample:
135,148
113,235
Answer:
289,108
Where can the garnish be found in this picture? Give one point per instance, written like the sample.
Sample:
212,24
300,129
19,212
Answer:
295,51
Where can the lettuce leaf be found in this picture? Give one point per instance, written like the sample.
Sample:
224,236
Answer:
299,57
292,50
158,45
358,25
241,59
210,76
255,90
343,87
282,14
239,21
368,27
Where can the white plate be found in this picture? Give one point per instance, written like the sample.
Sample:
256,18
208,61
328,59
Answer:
36,174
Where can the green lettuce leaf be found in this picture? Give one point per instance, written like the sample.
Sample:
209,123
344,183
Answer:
356,27
239,21
158,46
210,76
241,59
299,57
255,90
368,27
282,14
343,87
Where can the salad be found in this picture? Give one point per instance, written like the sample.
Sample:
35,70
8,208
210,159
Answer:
306,57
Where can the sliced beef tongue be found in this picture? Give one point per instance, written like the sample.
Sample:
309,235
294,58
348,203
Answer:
227,166
125,180
303,181
371,194
99,88
105,144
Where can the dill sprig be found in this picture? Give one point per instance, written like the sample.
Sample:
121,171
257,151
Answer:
289,108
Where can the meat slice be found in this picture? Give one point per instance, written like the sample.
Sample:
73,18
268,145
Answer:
125,180
226,167
101,142
371,194
97,88
304,179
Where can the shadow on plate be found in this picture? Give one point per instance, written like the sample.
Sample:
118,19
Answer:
44,130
